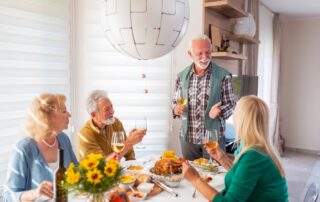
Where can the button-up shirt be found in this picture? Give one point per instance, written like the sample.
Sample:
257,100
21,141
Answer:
199,92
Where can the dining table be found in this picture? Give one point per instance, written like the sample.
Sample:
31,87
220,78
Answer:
184,191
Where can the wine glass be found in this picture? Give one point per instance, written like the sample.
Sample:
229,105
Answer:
182,100
141,124
211,140
117,141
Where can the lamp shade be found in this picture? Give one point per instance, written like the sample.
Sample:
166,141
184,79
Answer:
145,29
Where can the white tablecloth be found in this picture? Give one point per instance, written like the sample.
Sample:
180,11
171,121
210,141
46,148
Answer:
185,189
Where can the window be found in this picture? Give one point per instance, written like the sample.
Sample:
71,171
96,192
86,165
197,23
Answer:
122,78
34,58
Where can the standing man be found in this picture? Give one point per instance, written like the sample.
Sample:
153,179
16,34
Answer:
208,89
95,136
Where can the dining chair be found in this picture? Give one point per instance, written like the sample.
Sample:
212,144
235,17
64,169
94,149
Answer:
312,193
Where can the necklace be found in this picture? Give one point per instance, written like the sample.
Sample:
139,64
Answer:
50,145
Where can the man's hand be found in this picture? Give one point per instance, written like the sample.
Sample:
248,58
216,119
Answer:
135,136
178,110
215,110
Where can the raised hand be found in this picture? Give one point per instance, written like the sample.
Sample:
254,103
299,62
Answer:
215,110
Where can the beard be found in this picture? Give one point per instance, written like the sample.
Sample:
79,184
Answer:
109,121
202,64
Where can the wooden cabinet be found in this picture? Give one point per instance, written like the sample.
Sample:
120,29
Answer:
223,14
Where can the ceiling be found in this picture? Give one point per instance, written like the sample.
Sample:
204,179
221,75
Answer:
294,8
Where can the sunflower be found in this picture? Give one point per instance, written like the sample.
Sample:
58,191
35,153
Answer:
94,156
89,164
94,176
110,170
73,177
113,162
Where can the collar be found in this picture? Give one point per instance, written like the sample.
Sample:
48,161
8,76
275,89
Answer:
95,128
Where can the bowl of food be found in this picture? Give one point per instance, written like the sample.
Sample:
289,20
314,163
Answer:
127,181
136,196
173,180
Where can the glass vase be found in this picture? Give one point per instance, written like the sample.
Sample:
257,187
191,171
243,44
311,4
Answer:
97,197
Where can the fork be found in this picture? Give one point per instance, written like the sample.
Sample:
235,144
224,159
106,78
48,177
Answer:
194,193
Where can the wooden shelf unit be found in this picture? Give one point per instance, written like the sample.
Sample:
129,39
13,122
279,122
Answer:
241,38
224,7
228,56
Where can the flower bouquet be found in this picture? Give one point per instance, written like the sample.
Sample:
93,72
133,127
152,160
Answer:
94,175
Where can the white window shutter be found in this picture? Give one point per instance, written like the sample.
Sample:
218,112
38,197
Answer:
34,58
121,77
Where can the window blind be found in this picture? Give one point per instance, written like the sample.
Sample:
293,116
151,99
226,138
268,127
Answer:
34,58
122,78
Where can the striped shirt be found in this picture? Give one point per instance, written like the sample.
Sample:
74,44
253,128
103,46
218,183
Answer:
199,92
28,168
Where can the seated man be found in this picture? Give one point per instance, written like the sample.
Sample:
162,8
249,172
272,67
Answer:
95,136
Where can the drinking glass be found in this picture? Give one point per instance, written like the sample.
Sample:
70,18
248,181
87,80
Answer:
117,141
141,124
211,140
182,100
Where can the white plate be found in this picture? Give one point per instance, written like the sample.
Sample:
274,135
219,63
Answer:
127,164
214,167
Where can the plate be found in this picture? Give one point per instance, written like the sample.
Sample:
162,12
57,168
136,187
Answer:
213,167
133,166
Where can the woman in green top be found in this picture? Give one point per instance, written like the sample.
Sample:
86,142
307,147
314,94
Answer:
256,174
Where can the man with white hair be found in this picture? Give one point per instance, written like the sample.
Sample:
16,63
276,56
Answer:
208,89
95,136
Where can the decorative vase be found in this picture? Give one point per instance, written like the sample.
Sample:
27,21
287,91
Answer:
97,197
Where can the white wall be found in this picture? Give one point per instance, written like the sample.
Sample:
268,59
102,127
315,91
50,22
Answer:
300,83
182,60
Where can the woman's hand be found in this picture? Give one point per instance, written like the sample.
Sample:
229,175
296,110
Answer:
216,153
189,172
45,189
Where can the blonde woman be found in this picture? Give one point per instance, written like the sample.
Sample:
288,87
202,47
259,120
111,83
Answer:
257,174
34,158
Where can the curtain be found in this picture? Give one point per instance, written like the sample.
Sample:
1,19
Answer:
274,94
269,68
34,58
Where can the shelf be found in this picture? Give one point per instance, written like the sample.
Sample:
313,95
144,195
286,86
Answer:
244,39
225,8
228,56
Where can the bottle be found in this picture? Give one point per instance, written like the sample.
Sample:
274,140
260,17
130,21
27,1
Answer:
60,194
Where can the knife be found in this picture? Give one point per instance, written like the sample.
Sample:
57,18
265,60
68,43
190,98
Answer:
165,187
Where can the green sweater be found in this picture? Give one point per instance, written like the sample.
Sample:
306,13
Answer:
254,177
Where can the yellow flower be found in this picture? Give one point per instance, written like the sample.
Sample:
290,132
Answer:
113,162
94,176
70,169
73,177
89,164
110,170
94,156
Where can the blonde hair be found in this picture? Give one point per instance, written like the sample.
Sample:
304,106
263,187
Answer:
251,120
40,114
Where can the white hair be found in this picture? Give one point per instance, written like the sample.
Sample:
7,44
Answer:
93,100
199,37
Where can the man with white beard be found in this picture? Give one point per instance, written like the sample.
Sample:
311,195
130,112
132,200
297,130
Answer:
210,99
95,136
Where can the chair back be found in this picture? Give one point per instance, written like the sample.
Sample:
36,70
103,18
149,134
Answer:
312,193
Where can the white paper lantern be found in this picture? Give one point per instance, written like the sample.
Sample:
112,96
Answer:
145,29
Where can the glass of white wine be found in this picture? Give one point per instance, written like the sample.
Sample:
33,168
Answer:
182,100
210,140
141,124
117,141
